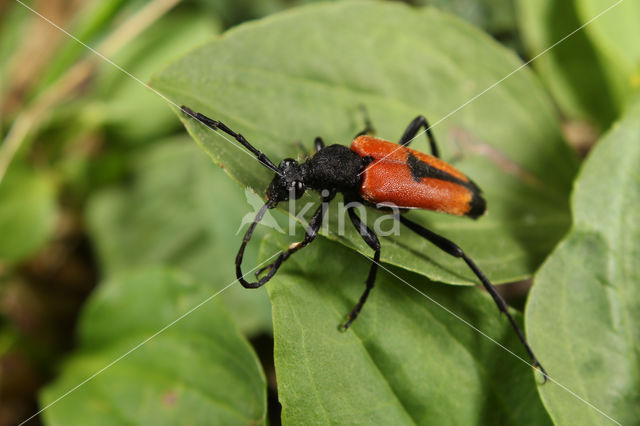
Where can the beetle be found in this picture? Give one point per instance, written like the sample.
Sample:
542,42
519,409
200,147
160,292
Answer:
377,173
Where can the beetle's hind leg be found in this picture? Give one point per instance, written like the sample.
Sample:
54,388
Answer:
372,241
453,249
412,130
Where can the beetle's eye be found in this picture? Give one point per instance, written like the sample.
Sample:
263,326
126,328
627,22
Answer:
287,163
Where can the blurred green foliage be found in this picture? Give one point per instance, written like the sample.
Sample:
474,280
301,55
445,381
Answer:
195,370
573,70
28,214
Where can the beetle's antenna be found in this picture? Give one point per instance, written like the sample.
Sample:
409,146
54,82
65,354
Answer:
218,125
269,204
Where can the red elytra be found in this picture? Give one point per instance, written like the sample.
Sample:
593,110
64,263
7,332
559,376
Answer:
410,179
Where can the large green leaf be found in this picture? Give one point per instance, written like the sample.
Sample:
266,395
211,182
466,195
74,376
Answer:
28,213
404,360
584,311
179,210
198,371
301,74
572,70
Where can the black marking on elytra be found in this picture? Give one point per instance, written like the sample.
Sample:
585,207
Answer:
419,170
477,205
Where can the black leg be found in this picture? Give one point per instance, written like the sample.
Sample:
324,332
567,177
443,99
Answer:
245,240
215,125
372,241
311,233
412,131
318,144
368,127
451,248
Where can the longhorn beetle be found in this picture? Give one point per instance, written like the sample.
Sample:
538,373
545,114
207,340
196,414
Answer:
375,172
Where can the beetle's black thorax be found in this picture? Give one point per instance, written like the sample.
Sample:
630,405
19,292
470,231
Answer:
334,167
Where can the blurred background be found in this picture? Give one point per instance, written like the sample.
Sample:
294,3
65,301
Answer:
98,177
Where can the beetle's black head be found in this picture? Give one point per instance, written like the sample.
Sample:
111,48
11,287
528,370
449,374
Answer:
288,183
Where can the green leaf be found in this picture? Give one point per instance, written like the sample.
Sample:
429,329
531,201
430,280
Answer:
28,212
405,360
573,71
615,33
180,210
399,62
198,371
583,314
